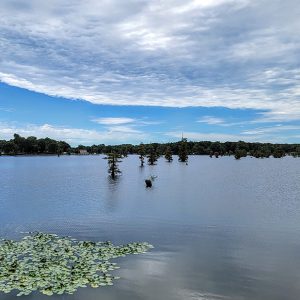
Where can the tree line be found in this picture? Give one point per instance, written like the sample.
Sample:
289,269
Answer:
19,145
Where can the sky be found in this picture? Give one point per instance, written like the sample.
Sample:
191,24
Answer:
114,71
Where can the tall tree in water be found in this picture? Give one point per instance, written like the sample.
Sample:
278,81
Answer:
183,150
168,154
142,153
113,160
152,156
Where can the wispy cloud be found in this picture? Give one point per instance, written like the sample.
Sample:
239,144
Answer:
113,121
274,129
6,109
124,129
211,120
227,53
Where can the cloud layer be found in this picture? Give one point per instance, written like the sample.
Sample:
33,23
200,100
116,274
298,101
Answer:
121,134
229,53
75,136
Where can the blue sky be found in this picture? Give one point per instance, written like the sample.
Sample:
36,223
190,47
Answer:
145,71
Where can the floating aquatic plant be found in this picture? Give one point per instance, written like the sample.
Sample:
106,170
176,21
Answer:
57,265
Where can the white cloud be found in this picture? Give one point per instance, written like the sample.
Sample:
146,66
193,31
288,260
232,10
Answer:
258,136
227,53
113,121
272,130
75,136
119,134
124,129
193,5
211,120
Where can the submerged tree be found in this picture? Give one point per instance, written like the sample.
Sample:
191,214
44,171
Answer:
183,150
142,154
168,154
152,156
113,168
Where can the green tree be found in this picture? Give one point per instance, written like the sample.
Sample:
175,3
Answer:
19,142
168,154
183,150
41,145
278,153
296,153
113,160
152,156
31,145
9,147
142,153
240,153
124,150
62,147
52,147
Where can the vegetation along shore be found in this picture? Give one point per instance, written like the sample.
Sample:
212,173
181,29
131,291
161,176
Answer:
19,145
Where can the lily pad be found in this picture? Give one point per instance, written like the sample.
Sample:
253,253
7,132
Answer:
59,265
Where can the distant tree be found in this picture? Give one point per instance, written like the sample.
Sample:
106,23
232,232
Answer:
19,143
63,147
142,154
216,147
113,160
278,153
41,143
124,150
296,153
183,151
52,147
161,149
240,153
152,156
168,154
198,149
32,145
9,148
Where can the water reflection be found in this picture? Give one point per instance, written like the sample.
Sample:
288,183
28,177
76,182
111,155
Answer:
112,196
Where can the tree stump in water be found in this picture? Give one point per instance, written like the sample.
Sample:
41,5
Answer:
148,183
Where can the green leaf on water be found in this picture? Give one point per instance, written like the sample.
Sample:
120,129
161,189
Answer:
58,265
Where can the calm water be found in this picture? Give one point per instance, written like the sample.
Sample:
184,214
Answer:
222,229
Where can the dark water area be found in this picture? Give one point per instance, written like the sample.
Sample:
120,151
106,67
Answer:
221,228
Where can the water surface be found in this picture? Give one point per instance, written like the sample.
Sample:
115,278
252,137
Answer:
222,229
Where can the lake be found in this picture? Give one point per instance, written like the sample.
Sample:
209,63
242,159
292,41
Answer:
221,228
